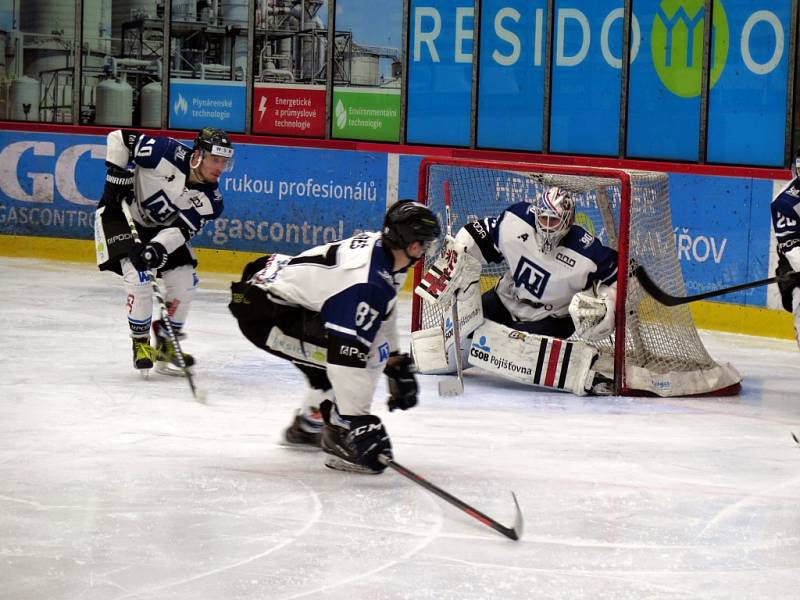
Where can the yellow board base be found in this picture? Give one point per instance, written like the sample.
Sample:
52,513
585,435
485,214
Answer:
719,316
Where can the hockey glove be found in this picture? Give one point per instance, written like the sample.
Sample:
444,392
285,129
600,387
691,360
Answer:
118,187
403,388
148,256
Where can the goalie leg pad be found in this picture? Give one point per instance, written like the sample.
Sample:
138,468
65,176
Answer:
533,359
427,346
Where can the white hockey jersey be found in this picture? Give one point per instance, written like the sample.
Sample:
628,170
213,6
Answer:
164,199
352,285
537,284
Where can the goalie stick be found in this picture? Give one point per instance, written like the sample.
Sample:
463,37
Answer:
514,532
652,288
199,395
450,386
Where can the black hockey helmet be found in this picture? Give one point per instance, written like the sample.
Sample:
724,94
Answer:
406,222
214,141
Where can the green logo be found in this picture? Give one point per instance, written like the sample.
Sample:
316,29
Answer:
585,221
676,44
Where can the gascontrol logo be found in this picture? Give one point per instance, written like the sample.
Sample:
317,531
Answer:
676,43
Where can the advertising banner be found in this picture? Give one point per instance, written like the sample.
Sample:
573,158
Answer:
50,183
587,56
366,114
289,199
196,104
283,109
511,90
722,229
440,72
747,106
276,199
664,89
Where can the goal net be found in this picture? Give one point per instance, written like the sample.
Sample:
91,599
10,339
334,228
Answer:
655,349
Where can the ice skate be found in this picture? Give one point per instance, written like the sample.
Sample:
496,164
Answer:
334,441
305,431
143,354
167,361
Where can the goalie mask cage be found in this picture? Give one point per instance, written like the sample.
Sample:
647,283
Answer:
655,349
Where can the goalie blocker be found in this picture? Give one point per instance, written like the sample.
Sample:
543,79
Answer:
531,359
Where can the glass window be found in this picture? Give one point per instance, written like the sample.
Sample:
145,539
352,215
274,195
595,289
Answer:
290,66
208,60
511,75
440,72
369,69
123,55
38,44
587,61
665,79
747,103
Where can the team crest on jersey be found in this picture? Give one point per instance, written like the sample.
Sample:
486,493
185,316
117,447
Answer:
159,207
531,276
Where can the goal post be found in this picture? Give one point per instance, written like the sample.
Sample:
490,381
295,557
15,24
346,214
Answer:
655,350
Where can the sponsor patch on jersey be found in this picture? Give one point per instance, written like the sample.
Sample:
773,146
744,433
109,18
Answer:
570,262
383,352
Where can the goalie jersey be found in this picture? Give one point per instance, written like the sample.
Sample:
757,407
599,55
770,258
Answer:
538,284
352,285
163,197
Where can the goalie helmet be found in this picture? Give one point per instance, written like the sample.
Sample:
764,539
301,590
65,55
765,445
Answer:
407,222
555,214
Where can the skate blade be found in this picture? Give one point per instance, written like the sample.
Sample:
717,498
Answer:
144,373
284,443
171,370
339,464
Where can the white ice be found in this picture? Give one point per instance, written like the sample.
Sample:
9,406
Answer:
112,487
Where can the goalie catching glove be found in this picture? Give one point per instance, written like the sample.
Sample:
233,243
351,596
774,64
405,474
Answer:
454,272
593,312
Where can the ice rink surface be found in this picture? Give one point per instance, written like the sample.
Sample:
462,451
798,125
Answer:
112,487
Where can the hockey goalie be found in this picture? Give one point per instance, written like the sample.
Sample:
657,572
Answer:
560,284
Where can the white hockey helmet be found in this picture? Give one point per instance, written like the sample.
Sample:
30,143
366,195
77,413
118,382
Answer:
555,214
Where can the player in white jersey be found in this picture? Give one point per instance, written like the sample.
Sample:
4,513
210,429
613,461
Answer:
172,191
555,268
785,210
331,311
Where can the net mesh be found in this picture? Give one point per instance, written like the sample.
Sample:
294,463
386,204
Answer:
657,338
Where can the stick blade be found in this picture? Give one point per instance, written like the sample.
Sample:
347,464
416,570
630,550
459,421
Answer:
452,386
519,522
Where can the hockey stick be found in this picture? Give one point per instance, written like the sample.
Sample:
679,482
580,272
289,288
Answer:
450,386
514,532
666,299
199,395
